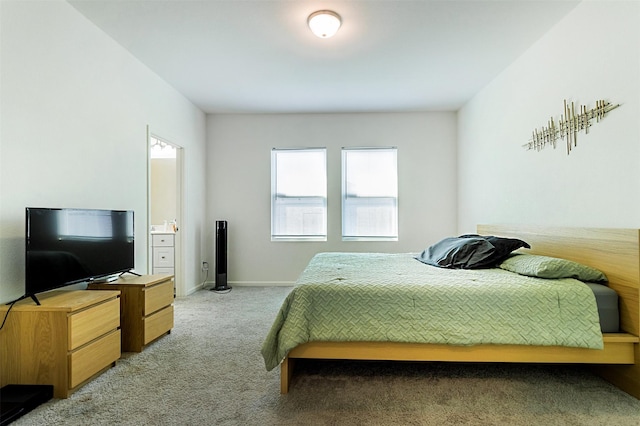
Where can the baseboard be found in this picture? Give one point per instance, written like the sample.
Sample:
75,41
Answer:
262,283
196,288
212,284
254,284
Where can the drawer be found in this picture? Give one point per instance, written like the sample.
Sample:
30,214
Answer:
162,240
158,324
157,297
90,359
169,271
92,323
163,257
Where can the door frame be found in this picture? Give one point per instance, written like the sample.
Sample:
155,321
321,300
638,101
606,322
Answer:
179,251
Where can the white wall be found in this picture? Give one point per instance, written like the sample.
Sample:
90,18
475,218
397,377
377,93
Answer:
592,54
75,106
239,161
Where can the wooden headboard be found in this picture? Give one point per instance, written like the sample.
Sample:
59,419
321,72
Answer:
614,251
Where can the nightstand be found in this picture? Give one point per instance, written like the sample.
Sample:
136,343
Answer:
146,308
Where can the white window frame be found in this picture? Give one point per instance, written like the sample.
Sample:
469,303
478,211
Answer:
290,200
373,207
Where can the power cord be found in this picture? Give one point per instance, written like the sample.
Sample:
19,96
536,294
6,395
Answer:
9,310
205,278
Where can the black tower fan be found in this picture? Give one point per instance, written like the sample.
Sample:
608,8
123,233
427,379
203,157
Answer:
221,256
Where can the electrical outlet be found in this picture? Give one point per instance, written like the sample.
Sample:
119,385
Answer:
205,266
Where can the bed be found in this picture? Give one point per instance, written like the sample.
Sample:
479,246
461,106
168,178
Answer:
615,252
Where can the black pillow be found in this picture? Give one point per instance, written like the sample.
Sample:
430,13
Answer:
459,253
504,246
470,251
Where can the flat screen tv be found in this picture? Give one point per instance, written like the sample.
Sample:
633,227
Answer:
70,246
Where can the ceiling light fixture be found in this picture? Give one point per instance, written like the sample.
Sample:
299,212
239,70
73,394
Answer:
324,23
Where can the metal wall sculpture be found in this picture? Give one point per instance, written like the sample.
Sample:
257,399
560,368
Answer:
568,125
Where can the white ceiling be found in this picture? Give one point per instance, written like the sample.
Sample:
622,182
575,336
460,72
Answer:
389,55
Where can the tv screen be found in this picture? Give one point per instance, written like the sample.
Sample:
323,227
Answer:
68,246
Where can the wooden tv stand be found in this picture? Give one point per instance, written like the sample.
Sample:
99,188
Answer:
146,308
70,338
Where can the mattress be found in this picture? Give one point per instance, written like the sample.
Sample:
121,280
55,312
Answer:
395,298
607,304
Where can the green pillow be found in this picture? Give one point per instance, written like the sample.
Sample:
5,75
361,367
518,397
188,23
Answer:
551,267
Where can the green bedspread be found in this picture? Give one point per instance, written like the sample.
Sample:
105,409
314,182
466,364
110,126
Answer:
395,298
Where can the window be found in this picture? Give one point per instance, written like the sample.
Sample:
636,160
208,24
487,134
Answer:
299,194
369,194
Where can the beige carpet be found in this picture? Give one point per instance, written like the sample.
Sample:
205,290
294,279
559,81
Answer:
209,371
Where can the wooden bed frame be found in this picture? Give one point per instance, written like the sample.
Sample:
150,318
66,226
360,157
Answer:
616,252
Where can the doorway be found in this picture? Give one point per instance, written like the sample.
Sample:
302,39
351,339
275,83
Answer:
165,209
